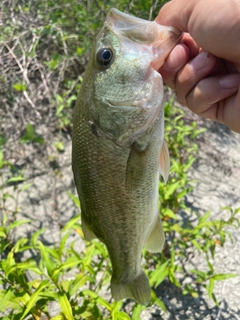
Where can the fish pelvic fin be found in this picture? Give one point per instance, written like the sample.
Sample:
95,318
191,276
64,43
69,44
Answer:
138,289
156,239
88,233
164,162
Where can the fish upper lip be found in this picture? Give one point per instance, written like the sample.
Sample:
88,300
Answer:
160,54
161,38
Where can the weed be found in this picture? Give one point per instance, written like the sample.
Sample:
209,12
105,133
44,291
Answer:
64,275
44,56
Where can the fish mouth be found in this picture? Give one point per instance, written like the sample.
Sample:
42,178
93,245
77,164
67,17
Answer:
162,39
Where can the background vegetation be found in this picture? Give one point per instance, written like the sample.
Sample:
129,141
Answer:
43,53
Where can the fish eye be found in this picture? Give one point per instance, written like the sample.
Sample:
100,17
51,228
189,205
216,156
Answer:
105,56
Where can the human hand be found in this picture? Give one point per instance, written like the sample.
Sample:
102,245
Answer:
204,68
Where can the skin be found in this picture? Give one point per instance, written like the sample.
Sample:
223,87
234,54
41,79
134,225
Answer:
204,68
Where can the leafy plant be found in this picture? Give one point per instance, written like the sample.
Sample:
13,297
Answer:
31,136
78,296
62,111
44,45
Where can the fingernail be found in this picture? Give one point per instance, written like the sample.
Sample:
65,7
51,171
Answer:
230,81
200,61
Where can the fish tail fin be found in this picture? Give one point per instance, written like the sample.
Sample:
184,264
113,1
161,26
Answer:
156,239
139,289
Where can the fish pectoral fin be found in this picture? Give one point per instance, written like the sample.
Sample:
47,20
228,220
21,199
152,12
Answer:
136,174
164,162
88,233
139,289
156,239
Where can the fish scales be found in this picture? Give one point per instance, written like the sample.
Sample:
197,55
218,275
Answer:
118,143
102,166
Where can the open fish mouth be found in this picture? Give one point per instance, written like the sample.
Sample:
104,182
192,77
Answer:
161,38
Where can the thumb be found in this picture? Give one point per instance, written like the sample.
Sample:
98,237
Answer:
214,25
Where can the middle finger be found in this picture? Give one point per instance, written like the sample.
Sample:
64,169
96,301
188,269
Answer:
195,70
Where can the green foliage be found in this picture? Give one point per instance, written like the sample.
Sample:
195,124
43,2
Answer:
78,296
56,45
31,136
62,110
59,145
19,87
58,37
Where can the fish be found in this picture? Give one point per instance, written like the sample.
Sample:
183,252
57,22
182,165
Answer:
118,147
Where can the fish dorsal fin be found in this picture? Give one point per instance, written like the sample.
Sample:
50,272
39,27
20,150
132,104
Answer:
164,162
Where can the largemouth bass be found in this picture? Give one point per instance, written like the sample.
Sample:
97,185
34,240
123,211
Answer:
118,146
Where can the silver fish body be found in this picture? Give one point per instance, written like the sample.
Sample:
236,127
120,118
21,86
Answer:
118,146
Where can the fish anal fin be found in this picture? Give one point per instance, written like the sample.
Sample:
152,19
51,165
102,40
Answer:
88,233
139,289
164,162
156,239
